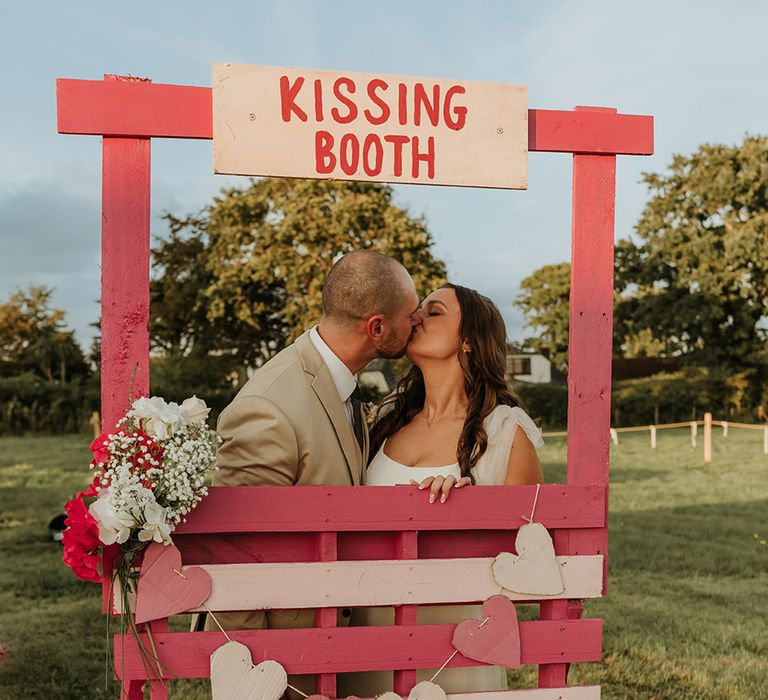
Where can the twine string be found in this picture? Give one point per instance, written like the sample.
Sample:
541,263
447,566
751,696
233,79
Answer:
535,501
229,639
450,658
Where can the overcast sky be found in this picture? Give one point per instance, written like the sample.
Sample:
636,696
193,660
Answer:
698,67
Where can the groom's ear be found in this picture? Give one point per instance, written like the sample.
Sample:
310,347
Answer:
374,327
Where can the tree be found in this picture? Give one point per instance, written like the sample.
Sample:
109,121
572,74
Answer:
695,284
544,300
697,279
243,278
34,338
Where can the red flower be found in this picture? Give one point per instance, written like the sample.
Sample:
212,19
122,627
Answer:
99,449
154,450
81,541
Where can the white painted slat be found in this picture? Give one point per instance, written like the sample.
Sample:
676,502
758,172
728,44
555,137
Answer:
587,692
366,583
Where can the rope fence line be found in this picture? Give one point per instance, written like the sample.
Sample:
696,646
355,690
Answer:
707,423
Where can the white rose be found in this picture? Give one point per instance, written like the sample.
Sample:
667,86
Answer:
113,527
160,419
154,527
195,409
146,408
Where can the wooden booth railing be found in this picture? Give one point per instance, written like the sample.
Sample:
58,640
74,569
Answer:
323,548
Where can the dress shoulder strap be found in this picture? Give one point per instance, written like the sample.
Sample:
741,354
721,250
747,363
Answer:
501,427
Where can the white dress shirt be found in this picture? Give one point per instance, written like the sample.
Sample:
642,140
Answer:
343,379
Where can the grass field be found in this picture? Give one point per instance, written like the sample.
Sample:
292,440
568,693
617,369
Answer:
686,616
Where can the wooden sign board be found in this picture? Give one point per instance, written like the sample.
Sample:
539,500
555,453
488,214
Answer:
360,126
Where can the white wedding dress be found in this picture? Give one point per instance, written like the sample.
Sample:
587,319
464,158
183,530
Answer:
501,427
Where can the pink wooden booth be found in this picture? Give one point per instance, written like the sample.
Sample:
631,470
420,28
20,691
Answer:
254,540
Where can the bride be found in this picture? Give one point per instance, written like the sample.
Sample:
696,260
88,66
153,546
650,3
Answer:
450,423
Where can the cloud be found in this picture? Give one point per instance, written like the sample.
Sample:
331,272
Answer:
51,239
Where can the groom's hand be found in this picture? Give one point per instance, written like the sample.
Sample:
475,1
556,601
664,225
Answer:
440,485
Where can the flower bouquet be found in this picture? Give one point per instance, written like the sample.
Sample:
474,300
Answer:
148,475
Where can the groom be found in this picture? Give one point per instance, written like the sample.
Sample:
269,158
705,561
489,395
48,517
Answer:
298,420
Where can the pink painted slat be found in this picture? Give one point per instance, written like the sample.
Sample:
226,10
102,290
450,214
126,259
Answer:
364,508
185,111
124,275
241,548
587,692
325,618
598,131
377,583
347,649
406,547
380,583
118,108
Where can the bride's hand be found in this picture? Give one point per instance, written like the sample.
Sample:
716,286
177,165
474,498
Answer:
441,485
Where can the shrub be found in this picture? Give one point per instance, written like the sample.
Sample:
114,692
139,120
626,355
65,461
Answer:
30,404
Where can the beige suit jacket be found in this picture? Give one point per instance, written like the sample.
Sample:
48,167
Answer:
287,426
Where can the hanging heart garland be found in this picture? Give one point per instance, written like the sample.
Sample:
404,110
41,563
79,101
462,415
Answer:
163,590
495,640
234,677
534,570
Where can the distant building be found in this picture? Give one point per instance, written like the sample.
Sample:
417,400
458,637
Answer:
533,367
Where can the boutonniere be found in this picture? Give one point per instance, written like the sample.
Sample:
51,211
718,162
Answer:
370,411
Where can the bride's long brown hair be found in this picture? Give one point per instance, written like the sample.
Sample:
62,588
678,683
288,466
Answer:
484,368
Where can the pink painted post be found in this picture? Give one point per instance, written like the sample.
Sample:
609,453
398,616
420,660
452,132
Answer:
125,218
326,550
124,274
591,333
589,358
406,547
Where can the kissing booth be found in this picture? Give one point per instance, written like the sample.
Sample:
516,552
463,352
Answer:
329,547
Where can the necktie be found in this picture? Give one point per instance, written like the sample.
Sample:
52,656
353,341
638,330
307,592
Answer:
357,417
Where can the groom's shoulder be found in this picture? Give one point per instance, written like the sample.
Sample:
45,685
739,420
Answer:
282,375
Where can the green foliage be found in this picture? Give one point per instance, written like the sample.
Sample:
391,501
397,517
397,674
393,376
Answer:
698,277
547,404
695,284
544,300
34,338
662,398
29,404
176,378
243,279
685,395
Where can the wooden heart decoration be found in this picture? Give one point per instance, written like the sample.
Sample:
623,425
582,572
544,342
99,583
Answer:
161,592
234,677
426,690
534,569
495,641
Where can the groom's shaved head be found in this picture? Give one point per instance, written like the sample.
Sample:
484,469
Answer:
363,284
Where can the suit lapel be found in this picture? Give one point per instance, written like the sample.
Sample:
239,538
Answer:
326,392
366,453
